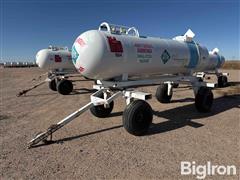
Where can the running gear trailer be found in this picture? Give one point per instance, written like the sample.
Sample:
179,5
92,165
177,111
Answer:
137,116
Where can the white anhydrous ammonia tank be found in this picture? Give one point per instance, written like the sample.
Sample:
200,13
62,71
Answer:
54,58
113,51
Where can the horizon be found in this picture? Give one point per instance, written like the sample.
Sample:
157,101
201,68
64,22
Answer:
28,26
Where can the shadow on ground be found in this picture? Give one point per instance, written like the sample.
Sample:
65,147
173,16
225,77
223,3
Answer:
41,94
176,118
182,100
2,117
182,116
83,91
61,141
76,80
233,83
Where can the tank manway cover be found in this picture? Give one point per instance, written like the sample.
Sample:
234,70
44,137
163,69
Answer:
165,56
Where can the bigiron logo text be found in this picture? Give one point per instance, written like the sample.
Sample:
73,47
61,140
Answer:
208,169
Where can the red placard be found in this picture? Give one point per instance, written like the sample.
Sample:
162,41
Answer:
115,45
81,42
58,58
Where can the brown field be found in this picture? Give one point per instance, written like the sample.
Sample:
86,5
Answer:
231,64
93,148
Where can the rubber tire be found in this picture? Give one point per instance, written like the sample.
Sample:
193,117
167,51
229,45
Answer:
64,87
204,99
135,110
200,79
52,85
161,94
100,111
222,81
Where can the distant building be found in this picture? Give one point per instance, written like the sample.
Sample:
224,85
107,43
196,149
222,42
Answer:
18,64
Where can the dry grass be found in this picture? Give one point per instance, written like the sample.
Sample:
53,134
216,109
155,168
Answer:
231,64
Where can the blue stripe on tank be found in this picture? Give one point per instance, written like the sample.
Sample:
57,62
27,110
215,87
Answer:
194,56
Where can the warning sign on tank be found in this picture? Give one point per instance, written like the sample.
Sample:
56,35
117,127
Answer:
144,52
165,56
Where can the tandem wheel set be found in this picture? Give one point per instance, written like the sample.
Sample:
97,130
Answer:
60,83
137,115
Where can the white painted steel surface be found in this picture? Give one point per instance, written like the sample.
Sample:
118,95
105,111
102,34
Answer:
99,54
54,58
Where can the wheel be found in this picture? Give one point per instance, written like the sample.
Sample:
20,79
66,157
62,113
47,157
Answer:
64,87
200,79
161,94
52,85
137,117
222,81
204,99
101,111
175,85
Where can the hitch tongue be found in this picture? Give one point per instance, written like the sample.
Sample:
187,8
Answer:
44,135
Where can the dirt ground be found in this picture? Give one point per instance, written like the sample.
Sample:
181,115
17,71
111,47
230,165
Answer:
93,148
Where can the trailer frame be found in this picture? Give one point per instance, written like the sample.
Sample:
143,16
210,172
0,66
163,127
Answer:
112,90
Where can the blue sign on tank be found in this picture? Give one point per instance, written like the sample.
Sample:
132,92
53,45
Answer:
194,56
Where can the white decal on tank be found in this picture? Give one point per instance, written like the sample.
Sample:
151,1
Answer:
144,52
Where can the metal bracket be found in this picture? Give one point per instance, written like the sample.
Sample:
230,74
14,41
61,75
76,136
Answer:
131,95
170,87
200,75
